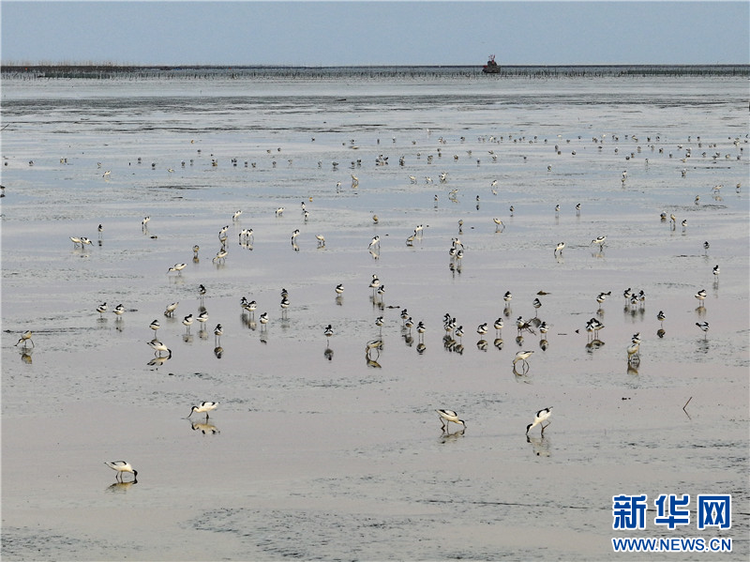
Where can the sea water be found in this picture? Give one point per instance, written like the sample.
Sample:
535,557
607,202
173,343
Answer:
321,449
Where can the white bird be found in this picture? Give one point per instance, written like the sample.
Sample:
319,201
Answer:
522,356
263,319
122,467
279,211
599,241
633,354
26,337
321,240
559,248
102,308
447,416
220,256
701,296
498,224
203,317
374,344
339,289
119,310
159,347
539,419
80,241
178,267
602,296
203,408
171,308
703,326
187,322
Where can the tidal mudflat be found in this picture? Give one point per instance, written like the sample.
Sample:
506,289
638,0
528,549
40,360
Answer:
320,449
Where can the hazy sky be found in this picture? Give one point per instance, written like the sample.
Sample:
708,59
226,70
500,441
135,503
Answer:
374,33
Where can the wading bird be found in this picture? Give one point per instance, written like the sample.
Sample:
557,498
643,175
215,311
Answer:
203,408
539,419
447,416
122,467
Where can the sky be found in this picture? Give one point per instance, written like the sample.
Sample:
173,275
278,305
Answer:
345,33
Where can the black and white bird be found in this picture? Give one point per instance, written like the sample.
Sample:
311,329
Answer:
601,297
701,296
522,356
203,408
507,297
122,467
178,267
159,347
447,416
26,338
328,331
82,241
599,241
703,326
539,419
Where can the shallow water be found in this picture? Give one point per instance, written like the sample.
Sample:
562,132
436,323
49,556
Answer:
343,458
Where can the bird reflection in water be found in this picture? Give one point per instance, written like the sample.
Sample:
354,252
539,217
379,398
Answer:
328,353
593,345
539,445
218,351
372,353
448,437
159,360
204,427
121,487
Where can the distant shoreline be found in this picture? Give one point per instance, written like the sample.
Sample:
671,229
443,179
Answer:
103,71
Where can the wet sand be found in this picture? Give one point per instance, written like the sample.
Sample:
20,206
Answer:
311,458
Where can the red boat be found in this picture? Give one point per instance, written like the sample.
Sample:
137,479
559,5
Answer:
491,67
